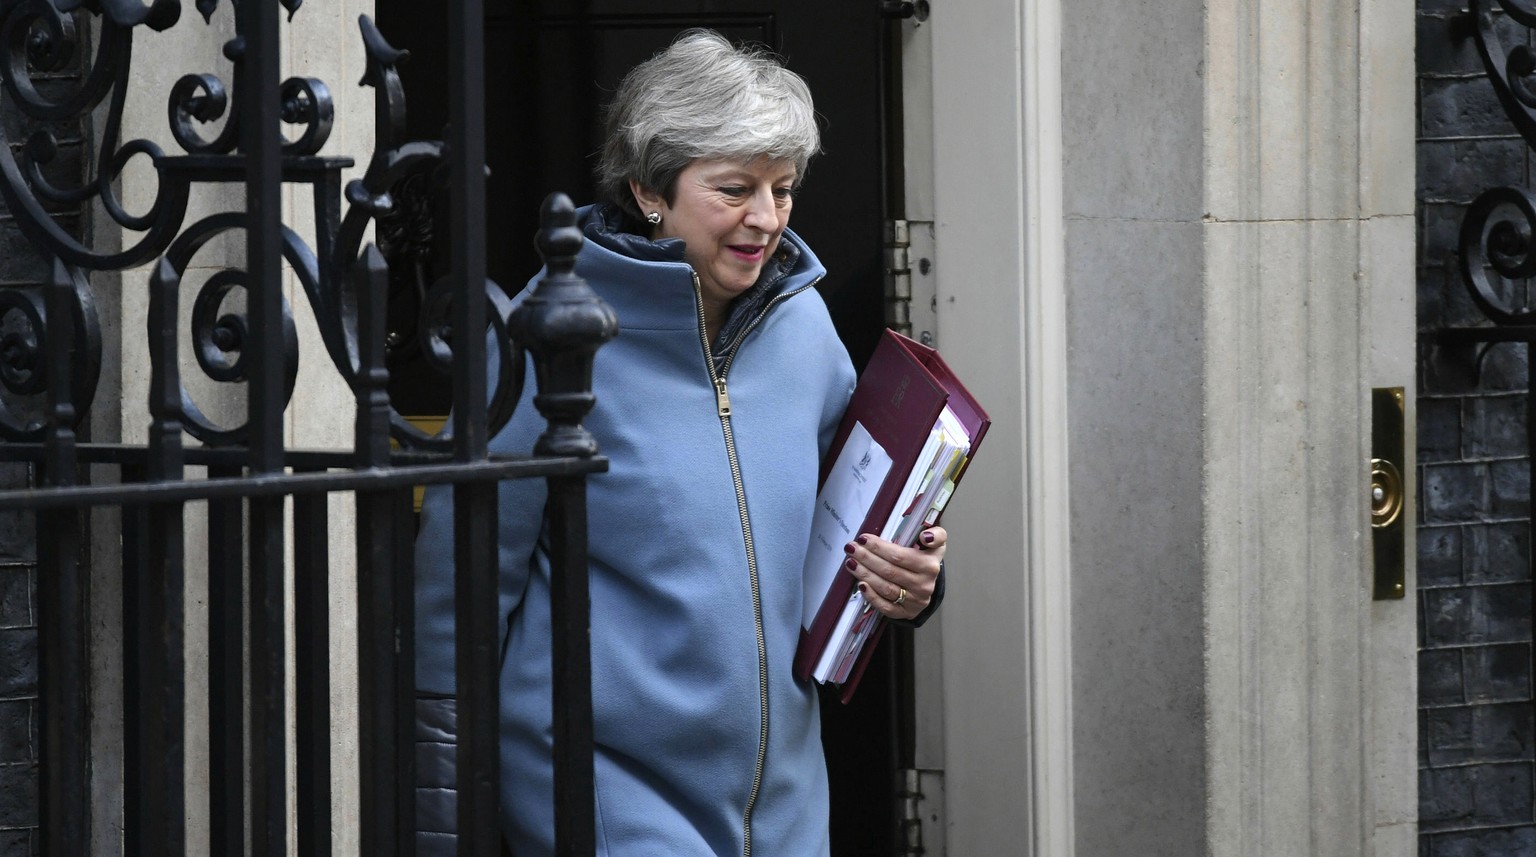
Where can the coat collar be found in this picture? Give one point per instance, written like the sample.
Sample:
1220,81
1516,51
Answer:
616,260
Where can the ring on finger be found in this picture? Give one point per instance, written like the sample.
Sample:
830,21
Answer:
901,596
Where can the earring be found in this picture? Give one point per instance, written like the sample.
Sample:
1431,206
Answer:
654,218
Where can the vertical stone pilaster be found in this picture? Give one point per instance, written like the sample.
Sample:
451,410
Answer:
1229,312
1306,134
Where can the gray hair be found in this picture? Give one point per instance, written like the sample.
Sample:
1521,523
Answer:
703,98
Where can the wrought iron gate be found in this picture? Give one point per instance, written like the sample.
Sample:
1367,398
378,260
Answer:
51,353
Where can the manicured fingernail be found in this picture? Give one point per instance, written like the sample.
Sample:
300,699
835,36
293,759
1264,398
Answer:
863,540
863,590
927,538
851,565
848,548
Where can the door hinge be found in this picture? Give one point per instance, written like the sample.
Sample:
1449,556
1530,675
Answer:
911,301
920,812
898,277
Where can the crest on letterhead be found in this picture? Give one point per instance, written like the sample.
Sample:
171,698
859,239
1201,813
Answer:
864,462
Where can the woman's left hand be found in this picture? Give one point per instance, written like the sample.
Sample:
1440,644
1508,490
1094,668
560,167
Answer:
897,581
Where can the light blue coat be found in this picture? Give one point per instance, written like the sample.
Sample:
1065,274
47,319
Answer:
680,688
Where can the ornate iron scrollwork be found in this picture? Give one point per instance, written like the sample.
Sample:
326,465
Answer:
38,37
1512,72
243,332
1495,249
1496,243
24,349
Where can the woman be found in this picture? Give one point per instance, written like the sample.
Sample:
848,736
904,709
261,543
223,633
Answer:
714,406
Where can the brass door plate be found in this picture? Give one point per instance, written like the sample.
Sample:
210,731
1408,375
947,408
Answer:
1388,493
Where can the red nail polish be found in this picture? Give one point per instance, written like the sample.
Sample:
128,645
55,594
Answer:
863,590
851,565
927,538
848,548
863,540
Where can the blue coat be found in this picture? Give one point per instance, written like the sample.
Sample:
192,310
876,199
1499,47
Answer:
705,742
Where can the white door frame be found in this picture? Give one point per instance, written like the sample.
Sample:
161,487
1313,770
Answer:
998,678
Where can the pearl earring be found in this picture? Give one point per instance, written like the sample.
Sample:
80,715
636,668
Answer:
654,218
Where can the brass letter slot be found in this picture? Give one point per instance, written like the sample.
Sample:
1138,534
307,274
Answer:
1388,492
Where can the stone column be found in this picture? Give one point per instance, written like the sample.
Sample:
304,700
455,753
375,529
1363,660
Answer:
1308,237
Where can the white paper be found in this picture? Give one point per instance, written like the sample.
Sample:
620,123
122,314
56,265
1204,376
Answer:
927,490
826,665
947,447
914,482
845,498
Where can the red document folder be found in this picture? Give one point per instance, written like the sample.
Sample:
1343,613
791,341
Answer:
898,399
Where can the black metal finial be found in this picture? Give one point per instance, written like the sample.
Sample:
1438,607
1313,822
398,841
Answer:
370,283
159,15
378,48
388,112
562,323
558,239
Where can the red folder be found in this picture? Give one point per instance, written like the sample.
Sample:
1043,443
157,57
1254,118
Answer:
898,399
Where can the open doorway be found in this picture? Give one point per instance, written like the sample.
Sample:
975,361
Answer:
550,68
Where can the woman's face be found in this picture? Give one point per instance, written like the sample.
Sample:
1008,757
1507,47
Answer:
730,214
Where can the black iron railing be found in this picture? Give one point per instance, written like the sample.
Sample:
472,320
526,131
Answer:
49,367
1496,255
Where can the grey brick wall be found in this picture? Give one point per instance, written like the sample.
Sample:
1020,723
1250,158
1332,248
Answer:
1476,723
18,696
21,267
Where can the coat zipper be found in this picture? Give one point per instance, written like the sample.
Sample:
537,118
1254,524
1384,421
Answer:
723,410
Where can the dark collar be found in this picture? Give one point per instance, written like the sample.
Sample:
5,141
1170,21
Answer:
614,229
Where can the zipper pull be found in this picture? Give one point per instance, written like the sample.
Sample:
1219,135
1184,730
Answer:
722,398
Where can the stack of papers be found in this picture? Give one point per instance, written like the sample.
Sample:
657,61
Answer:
847,497
910,432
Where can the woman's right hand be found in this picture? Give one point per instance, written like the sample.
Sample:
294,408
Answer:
897,581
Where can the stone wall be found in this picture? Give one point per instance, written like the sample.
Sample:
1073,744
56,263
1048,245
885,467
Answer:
1475,694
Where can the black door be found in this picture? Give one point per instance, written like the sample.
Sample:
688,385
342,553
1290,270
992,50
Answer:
551,66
